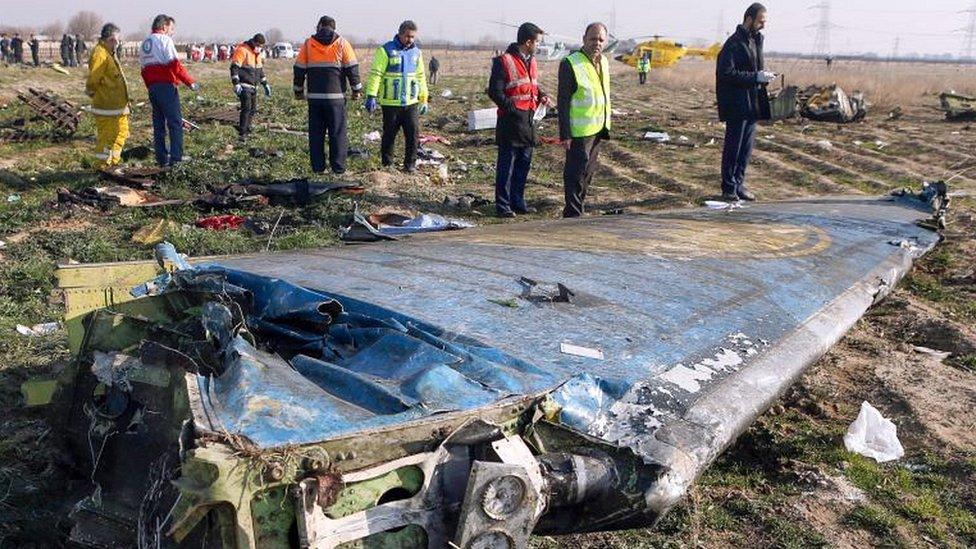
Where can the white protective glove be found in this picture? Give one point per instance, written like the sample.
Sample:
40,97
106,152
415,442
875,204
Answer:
238,89
194,86
765,77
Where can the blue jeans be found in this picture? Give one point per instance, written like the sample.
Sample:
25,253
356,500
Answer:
739,138
166,114
510,175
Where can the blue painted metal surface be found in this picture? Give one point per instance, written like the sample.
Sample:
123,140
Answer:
678,303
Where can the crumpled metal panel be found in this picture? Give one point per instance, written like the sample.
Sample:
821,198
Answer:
678,302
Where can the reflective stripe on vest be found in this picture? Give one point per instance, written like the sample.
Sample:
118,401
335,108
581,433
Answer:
589,111
521,82
400,84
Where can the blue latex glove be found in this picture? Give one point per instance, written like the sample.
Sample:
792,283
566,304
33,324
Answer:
371,104
424,108
267,89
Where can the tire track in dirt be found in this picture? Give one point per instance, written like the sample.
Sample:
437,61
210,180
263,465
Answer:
795,176
894,168
636,164
820,165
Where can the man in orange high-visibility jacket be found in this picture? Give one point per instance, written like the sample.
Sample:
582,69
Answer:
326,63
246,73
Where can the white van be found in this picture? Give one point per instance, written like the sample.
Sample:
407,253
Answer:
283,50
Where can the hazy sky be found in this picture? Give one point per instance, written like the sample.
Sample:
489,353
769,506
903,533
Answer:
858,25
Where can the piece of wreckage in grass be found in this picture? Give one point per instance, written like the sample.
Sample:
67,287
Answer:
381,394
820,104
958,107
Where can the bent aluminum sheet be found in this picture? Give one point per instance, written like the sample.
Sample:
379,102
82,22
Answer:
703,317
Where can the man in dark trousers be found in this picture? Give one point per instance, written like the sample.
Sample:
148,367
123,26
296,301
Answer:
246,74
514,87
35,47
327,62
80,49
17,48
584,110
742,99
4,48
65,50
398,83
432,67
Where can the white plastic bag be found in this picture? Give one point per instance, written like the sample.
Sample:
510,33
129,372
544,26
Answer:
873,436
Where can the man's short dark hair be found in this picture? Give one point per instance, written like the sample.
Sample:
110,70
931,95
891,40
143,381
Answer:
259,39
753,11
593,25
407,25
528,31
326,22
161,20
108,30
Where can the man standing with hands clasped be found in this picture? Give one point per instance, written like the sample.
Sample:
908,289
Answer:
584,114
742,99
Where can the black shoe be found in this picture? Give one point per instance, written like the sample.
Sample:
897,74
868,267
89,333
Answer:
730,197
746,195
526,210
505,215
410,169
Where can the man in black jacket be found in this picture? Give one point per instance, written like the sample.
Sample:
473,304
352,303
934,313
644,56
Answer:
4,48
17,48
514,87
35,47
432,67
742,99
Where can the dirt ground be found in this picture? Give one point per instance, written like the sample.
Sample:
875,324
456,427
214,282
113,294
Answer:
788,482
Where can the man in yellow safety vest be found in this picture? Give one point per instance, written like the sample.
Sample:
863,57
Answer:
643,67
584,114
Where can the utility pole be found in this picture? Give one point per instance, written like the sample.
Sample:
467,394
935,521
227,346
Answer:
969,38
821,41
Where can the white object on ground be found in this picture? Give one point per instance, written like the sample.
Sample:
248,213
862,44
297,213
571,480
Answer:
825,145
38,330
447,93
373,136
935,353
873,436
657,137
721,205
482,119
576,350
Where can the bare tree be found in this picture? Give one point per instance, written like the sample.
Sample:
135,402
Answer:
274,35
53,30
86,23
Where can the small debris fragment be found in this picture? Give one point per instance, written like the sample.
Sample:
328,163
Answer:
657,137
873,436
576,350
38,330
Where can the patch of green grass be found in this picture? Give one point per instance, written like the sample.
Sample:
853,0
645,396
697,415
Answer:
873,518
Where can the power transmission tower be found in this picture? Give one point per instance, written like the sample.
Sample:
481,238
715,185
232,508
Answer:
821,42
969,38
894,51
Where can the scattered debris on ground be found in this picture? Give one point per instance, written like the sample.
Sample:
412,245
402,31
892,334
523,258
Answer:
62,114
958,107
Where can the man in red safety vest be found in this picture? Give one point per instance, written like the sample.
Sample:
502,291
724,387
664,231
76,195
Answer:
514,87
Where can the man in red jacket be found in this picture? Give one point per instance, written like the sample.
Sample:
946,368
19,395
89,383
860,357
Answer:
162,72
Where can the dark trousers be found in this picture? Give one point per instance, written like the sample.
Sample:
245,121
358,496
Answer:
642,76
739,138
35,58
510,174
249,106
432,79
582,159
167,117
395,118
327,116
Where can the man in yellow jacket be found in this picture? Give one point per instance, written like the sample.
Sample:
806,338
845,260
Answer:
398,84
109,93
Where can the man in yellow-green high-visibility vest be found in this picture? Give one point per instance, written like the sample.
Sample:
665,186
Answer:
584,114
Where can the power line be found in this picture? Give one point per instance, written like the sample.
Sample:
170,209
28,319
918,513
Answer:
969,40
821,42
